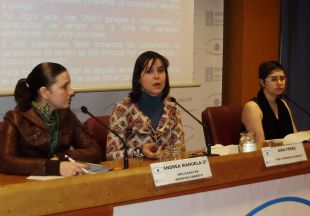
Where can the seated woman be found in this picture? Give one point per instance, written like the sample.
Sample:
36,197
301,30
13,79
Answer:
147,120
41,130
268,115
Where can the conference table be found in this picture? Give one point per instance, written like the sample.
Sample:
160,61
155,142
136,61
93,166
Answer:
101,193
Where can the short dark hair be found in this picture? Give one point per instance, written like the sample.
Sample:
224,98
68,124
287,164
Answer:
43,75
141,62
266,68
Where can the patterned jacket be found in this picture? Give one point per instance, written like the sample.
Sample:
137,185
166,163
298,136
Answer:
135,128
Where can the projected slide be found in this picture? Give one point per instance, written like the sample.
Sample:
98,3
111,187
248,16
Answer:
97,40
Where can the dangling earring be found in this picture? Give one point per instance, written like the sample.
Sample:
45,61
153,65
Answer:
46,108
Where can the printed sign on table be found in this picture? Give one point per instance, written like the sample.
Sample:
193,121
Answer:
286,154
180,170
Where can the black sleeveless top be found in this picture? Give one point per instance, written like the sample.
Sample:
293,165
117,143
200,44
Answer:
274,128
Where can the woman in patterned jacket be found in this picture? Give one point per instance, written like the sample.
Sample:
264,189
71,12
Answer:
147,120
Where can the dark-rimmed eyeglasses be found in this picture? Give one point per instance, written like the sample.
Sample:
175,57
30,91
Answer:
277,78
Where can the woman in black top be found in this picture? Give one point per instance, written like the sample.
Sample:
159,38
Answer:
268,115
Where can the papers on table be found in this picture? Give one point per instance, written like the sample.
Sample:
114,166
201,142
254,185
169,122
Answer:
92,168
224,150
43,177
292,138
296,137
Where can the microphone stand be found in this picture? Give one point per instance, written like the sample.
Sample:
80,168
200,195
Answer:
209,154
298,106
126,164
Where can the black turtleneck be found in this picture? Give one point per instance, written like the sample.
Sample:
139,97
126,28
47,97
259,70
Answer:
152,106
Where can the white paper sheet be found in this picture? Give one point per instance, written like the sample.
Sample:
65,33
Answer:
224,150
296,137
43,177
93,168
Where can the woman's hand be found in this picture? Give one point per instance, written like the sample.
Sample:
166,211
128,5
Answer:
149,152
72,168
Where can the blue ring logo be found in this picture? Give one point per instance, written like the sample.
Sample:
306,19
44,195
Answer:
279,200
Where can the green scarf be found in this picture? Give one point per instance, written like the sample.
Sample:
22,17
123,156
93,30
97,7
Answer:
52,122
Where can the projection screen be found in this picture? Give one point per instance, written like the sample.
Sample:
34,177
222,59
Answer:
98,41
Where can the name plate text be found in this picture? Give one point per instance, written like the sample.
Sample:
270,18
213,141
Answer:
285,154
176,171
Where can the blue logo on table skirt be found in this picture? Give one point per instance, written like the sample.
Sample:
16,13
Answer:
279,200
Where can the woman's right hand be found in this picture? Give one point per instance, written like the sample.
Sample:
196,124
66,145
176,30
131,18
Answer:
71,168
148,150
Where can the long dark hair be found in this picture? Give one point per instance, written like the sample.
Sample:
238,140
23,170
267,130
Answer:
43,75
141,62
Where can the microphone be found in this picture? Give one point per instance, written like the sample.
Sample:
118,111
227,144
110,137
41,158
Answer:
85,111
293,102
201,123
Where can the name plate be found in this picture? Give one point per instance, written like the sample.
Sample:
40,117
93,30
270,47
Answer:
176,171
286,154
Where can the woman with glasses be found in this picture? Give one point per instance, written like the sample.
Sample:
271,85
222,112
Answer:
268,115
